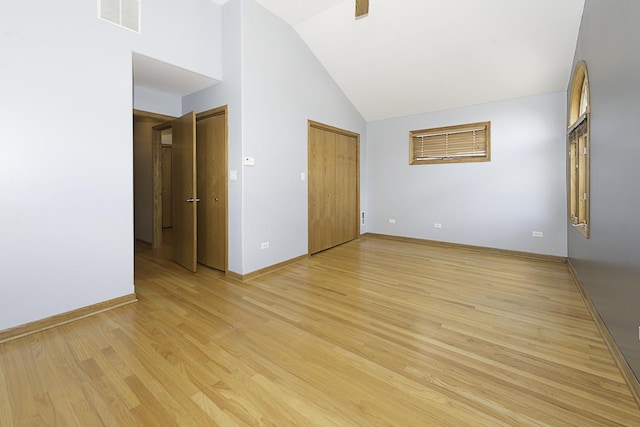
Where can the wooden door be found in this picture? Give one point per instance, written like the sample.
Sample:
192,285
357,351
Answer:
322,169
321,183
184,196
346,214
166,186
333,186
212,188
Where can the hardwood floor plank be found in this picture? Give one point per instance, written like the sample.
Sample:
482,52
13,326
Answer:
376,332
6,412
217,415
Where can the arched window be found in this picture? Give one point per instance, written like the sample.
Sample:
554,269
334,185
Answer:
578,141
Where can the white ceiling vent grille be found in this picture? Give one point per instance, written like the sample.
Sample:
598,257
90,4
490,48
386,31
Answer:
124,13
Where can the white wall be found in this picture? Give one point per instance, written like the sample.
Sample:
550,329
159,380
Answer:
229,92
284,85
272,89
183,33
494,204
608,263
66,202
150,100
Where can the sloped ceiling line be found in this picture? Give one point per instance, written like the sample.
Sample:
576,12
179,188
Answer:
417,56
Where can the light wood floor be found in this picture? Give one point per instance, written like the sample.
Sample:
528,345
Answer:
373,333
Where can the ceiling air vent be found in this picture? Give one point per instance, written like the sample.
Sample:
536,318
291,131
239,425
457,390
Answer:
123,13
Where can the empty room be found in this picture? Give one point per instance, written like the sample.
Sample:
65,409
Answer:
320,212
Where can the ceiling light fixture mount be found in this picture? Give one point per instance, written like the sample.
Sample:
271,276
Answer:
362,8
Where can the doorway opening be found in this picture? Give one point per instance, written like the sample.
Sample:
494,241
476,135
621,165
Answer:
186,216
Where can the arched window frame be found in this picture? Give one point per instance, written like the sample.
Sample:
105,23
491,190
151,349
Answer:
578,143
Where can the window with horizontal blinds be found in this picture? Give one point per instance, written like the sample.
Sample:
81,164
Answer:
451,144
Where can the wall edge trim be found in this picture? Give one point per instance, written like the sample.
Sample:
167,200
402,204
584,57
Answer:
485,249
64,318
625,370
245,277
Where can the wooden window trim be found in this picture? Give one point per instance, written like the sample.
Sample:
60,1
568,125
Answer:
578,143
451,144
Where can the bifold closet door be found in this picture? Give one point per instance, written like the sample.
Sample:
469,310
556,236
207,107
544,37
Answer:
333,188
322,169
346,214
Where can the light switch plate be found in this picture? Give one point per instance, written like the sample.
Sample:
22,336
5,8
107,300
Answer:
249,161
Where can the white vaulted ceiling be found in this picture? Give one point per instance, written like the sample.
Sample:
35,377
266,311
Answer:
414,56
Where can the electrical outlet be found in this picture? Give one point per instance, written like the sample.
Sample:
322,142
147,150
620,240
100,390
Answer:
537,234
437,225
392,221
264,245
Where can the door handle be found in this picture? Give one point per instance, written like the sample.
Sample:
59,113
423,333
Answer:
191,200
216,199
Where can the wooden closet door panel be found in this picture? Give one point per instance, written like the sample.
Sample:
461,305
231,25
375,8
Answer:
346,215
321,177
184,210
212,190
166,187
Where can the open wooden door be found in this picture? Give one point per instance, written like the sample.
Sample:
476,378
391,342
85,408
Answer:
211,130
183,189
166,186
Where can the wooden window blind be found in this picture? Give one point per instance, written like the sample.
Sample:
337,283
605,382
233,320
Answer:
451,144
